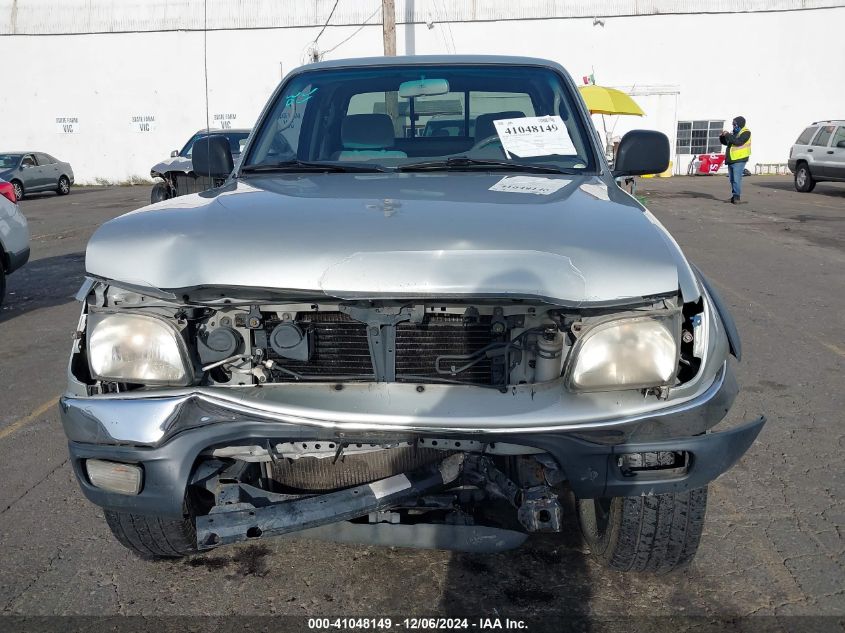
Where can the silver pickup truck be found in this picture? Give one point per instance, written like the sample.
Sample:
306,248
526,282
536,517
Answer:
368,334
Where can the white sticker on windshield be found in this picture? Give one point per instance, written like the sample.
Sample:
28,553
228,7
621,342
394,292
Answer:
530,184
534,136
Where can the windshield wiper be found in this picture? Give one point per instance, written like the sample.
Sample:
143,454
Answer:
460,162
304,165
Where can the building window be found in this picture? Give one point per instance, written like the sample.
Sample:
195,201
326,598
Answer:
699,137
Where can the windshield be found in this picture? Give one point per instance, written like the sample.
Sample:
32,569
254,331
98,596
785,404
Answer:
395,117
237,140
9,160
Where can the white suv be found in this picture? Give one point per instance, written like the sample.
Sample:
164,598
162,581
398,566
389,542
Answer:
819,154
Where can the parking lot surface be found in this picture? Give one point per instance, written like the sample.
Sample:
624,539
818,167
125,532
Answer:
773,542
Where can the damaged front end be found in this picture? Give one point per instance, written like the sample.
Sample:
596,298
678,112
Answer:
458,424
438,498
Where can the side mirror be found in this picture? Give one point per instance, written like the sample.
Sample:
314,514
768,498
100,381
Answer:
642,152
211,157
174,153
841,144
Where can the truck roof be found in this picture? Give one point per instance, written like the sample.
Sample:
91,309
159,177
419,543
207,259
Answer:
427,60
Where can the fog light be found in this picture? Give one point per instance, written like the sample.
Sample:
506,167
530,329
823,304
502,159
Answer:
124,479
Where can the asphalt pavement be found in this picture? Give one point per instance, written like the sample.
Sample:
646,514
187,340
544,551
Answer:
773,543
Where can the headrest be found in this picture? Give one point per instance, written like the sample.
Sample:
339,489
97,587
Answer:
367,131
484,122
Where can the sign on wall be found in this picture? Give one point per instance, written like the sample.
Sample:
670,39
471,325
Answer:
67,124
224,121
143,123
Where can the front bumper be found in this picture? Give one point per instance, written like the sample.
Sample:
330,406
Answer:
166,435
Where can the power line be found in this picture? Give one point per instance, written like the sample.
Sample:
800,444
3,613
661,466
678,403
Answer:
447,25
358,30
329,19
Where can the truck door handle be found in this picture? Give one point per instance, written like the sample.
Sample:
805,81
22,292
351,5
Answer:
809,150
830,151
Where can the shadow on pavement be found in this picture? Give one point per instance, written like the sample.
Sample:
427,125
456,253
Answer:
822,188
43,283
546,580
37,196
653,193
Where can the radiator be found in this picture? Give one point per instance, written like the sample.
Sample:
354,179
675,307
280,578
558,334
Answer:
315,474
341,351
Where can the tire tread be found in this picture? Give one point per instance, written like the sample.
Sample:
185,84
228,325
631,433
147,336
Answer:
153,536
655,533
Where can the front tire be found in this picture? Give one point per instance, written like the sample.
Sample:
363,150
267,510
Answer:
153,536
803,179
63,187
160,192
656,534
18,187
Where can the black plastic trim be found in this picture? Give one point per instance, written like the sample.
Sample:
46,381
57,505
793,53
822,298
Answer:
591,469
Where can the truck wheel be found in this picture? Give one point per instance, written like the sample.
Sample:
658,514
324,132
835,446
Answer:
655,534
159,192
152,536
803,179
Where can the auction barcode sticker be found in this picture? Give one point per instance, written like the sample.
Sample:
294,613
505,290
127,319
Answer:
530,184
534,136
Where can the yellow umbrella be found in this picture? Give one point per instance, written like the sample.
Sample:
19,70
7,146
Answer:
601,100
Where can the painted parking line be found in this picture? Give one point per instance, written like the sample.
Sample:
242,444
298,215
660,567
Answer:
32,417
76,229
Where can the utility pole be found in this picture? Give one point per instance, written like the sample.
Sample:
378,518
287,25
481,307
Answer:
388,27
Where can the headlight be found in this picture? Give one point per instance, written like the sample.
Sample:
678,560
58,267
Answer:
136,348
628,353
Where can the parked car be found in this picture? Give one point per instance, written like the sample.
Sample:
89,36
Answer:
818,154
424,341
177,172
31,172
14,235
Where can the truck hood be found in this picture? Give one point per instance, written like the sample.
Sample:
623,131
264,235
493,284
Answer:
567,239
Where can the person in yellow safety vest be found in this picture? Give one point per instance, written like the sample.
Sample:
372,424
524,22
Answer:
737,153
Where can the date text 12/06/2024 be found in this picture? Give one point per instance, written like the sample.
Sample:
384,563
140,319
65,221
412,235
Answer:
417,624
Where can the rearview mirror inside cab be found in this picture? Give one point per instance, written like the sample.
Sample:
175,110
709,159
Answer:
642,152
423,88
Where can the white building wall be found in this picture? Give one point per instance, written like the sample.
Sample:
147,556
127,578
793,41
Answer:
105,79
